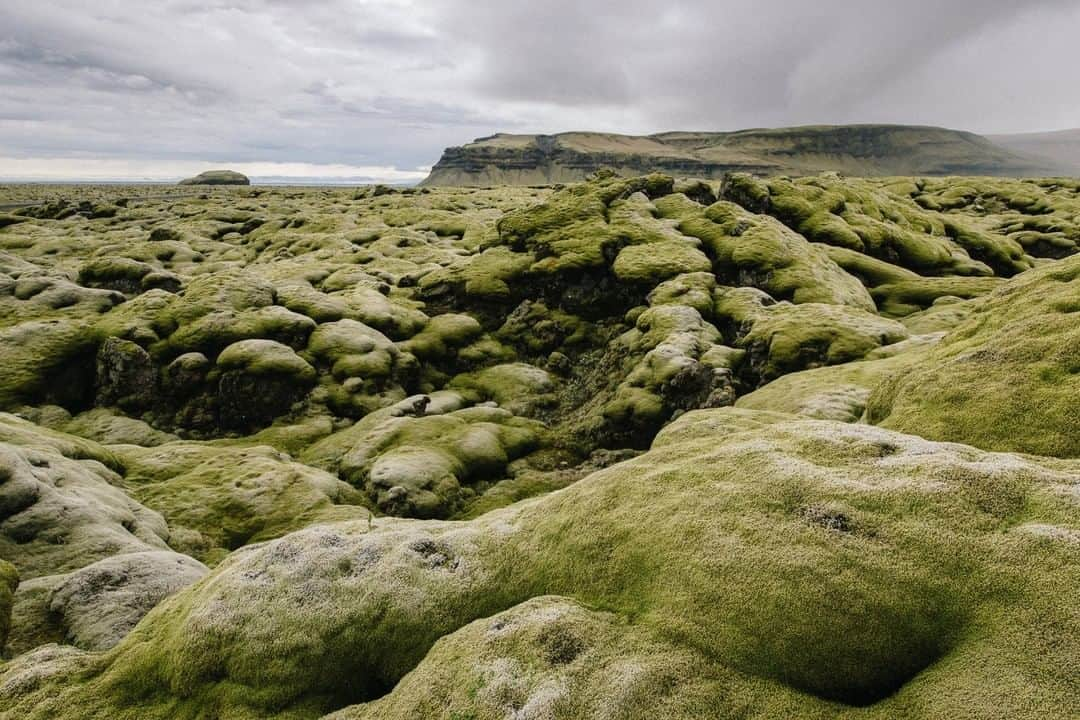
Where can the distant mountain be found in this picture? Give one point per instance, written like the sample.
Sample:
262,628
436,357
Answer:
217,177
1058,149
858,150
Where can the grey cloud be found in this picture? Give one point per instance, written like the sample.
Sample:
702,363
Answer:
391,82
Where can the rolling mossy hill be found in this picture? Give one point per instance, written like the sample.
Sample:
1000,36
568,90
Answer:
634,447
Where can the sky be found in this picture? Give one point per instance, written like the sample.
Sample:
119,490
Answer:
373,90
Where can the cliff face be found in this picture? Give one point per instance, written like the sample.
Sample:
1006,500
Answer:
868,150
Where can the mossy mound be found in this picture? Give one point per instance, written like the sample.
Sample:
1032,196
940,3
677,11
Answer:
425,456
60,513
784,339
216,499
94,607
841,567
1008,378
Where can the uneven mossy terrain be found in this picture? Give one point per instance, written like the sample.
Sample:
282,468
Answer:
627,448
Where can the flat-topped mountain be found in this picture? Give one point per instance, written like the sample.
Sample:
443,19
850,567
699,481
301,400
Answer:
866,150
217,177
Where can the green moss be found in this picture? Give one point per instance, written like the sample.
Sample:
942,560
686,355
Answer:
672,364
421,465
658,261
107,427
692,289
19,431
914,294
9,580
787,338
753,563
796,568
581,226
1006,378
265,357
442,335
488,275
121,273
47,360
212,333
217,499
836,392
756,250
518,387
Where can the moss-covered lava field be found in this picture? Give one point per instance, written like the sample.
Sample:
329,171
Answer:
626,448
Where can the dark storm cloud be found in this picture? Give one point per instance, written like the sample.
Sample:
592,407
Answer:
376,83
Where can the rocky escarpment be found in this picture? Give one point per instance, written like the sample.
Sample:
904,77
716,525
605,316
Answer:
866,150
632,447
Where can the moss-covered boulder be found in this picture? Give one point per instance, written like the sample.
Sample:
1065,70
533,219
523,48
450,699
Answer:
260,379
94,607
787,338
423,457
218,498
126,376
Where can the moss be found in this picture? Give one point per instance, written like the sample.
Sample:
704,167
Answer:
442,335
535,328
1006,378
757,250
118,273
217,499
353,349
516,387
62,514
746,190
668,358
479,353
265,357
788,338
582,226
859,215
49,360
692,289
912,295
212,333
1005,255
9,580
421,465
110,428
20,431
672,597
658,261
488,275
835,392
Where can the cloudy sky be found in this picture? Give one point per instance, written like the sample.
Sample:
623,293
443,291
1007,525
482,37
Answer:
374,89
